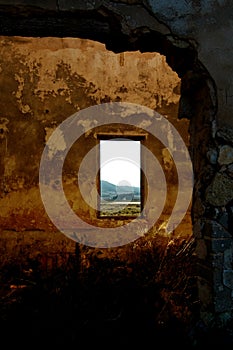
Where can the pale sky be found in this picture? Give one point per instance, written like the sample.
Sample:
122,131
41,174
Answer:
120,162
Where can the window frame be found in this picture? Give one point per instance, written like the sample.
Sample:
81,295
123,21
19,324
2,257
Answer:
133,137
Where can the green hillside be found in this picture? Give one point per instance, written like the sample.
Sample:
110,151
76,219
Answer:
111,192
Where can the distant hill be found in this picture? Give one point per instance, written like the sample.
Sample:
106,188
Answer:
107,186
112,192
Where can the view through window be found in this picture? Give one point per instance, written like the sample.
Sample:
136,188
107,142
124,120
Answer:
120,177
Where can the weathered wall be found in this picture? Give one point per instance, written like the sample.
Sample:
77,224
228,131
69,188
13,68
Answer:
207,25
43,81
195,37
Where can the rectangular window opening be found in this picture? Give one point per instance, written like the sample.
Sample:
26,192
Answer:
120,178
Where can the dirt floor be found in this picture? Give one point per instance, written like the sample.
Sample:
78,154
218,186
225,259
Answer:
107,302
121,316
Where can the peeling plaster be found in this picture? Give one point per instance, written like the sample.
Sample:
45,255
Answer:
57,143
24,108
72,57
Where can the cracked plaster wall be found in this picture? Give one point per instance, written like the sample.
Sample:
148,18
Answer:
206,26
43,81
